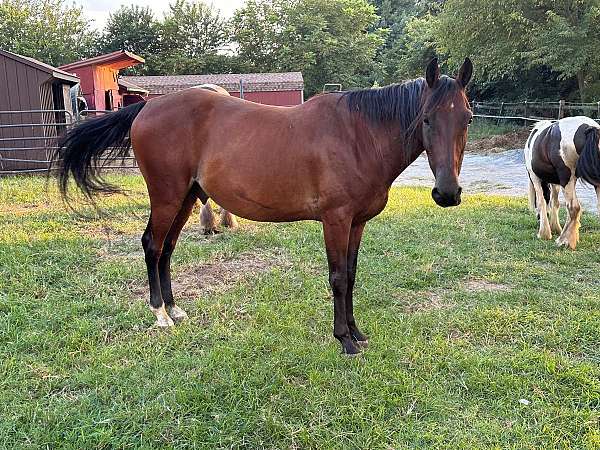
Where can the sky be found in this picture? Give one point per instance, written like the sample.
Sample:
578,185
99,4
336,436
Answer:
98,10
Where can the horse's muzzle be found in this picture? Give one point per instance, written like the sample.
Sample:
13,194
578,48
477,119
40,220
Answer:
445,199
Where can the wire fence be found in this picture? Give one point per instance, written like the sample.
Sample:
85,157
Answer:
527,112
29,138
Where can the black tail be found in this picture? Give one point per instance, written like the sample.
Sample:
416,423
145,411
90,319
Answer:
588,164
87,147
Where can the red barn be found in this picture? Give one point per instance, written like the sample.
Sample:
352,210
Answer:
100,78
281,89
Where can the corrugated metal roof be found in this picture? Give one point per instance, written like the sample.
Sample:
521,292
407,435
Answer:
253,82
55,72
131,87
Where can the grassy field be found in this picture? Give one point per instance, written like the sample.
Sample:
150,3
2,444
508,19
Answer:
485,128
481,336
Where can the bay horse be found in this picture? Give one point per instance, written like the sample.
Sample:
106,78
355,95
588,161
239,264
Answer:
556,155
208,222
332,159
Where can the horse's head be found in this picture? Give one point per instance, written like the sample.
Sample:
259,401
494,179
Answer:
445,118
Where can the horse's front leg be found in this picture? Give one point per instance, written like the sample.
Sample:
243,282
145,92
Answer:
336,231
356,233
570,234
554,209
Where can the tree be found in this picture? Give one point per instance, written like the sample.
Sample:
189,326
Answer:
52,31
506,36
333,41
192,35
132,28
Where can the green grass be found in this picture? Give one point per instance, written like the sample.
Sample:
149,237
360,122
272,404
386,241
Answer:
485,128
467,314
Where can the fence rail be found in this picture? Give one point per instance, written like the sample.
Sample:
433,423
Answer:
28,138
534,111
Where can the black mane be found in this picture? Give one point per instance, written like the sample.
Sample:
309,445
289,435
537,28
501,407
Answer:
400,103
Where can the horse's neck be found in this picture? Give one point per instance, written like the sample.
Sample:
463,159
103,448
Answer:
396,154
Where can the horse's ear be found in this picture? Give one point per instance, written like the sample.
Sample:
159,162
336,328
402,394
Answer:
465,73
432,75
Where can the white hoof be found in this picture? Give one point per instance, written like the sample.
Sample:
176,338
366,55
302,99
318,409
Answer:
177,314
162,318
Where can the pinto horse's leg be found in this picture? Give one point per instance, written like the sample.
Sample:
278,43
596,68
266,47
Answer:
554,209
164,263
570,234
227,219
598,200
336,231
208,221
540,206
356,233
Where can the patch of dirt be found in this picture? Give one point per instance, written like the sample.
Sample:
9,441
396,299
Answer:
481,285
195,280
431,300
499,143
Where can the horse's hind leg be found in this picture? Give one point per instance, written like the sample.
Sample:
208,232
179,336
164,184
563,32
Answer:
540,206
598,199
208,222
570,235
554,209
164,263
165,208
227,219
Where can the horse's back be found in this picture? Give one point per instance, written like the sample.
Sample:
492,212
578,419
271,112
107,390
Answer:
553,148
270,157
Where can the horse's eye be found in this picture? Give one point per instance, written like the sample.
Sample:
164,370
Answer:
471,120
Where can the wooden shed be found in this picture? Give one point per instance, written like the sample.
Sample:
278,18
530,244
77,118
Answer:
281,89
33,98
99,78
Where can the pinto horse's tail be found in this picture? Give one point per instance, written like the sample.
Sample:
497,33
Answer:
588,164
89,146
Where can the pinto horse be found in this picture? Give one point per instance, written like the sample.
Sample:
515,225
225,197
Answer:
332,159
208,222
556,155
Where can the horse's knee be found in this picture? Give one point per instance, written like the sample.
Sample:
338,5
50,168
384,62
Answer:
151,253
339,282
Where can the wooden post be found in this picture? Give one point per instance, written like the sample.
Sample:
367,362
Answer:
598,112
500,113
525,112
561,109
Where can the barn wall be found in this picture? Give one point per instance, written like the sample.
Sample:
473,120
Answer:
20,91
276,98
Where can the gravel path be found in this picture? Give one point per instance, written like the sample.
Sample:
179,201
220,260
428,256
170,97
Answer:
499,173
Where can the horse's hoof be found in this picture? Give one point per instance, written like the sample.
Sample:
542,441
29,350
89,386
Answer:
210,232
561,241
164,322
363,344
349,349
177,314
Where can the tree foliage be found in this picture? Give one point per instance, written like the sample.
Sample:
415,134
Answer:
521,48
334,41
53,31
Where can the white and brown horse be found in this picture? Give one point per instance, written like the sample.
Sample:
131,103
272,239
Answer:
556,155
208,221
